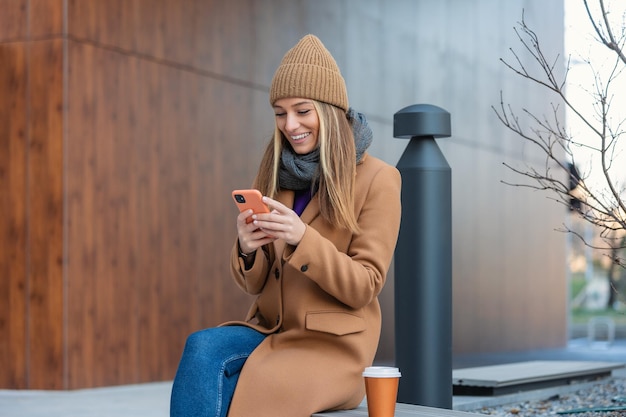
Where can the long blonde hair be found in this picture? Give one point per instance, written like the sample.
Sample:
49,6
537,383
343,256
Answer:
337,166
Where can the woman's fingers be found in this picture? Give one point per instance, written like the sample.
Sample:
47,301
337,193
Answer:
282,222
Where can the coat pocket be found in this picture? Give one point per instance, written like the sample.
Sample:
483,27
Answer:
335,322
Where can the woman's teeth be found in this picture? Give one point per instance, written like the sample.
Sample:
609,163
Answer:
302,136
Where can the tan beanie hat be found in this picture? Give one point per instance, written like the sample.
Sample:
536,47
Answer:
308,70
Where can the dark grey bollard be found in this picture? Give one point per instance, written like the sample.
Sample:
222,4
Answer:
423,260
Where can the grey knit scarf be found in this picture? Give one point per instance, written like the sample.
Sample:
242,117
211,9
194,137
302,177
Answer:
301,172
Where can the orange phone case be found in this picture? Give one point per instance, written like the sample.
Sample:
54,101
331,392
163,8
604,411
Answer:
250,199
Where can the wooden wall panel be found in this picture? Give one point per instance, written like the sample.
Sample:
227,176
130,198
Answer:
188,32
22,19
32,82
45,214
13,19
46,18
81,205
32,167
13,202
151,220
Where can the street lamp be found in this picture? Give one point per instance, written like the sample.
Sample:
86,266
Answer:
423,260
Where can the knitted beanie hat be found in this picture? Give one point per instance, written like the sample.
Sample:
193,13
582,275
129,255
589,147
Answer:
308,70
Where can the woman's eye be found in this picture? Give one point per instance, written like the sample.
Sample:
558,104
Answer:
280,114
303,111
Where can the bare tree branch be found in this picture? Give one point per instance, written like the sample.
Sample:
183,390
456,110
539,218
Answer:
607,39
604,208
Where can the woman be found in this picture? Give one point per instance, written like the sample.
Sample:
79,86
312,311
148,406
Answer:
317,262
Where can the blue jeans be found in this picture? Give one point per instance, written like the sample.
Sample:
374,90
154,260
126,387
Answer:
209,369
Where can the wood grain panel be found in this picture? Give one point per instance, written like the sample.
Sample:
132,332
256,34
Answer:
81,234
155,200
188,32
20,19
13,22
151,221
115,275
13,253
46,18
45,213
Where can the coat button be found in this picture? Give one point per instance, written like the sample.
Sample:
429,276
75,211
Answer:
276,273
304,268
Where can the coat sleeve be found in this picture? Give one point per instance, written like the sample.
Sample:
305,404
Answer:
356,277
251,280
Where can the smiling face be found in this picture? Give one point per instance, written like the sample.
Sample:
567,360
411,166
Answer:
298,120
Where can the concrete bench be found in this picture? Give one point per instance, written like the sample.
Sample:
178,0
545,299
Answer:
402,410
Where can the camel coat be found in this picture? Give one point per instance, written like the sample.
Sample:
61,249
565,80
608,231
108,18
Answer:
318,304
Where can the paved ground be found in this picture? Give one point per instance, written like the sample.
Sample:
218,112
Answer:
152,400
144,400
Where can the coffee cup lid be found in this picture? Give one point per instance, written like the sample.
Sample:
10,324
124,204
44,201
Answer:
381,372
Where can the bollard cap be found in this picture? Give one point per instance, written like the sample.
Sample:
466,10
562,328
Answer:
421,120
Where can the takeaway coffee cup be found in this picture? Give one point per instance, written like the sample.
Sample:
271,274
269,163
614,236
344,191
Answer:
381,389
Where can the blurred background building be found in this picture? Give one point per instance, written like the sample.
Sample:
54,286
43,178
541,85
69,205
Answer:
125,124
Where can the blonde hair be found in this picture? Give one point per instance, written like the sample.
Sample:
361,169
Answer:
337,166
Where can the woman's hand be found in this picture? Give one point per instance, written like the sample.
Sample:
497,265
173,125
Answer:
250,236
280,223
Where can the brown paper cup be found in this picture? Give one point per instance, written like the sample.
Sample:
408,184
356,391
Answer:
381,389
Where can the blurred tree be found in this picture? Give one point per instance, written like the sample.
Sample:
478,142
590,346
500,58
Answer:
599,202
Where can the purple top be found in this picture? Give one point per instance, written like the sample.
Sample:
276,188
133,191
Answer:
301,200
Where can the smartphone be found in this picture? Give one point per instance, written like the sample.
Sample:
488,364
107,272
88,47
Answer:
250,199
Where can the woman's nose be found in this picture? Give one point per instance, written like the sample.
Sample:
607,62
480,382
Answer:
291,124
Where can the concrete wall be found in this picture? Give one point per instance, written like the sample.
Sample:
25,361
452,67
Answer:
508,261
